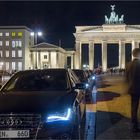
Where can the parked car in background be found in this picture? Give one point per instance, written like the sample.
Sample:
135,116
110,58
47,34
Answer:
42,104
83,76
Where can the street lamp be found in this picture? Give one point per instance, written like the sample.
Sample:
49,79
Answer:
36,34
85,66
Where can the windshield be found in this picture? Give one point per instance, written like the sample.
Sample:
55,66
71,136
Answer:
37,81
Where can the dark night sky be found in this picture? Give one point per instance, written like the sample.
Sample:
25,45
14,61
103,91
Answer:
58,19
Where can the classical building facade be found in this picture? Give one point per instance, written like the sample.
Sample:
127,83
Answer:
45,55
15,43
18,52
113,31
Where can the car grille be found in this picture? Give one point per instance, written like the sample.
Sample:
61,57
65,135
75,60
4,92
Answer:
30,122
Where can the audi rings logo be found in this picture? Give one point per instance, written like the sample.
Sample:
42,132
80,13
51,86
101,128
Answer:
10,121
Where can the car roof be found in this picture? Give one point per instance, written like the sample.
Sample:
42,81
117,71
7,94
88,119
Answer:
43,70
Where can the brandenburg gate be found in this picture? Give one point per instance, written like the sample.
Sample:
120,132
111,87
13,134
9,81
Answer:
113,31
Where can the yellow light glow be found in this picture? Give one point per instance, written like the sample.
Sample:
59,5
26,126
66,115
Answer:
13,34
19,34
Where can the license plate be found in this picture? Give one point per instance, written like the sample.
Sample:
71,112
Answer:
14,133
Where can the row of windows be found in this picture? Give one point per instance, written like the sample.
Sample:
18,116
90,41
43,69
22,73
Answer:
7,53
14,43
13,34
13,66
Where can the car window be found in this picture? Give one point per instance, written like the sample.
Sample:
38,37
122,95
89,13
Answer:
37,81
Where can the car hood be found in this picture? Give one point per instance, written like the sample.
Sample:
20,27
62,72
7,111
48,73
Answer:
34,102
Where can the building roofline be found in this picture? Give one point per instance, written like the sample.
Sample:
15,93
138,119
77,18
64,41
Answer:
15,27
51,45
46,44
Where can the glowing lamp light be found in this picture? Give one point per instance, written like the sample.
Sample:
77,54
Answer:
39,33
32,33
84,66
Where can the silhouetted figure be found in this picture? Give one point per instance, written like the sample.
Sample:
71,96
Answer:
111,70
133,79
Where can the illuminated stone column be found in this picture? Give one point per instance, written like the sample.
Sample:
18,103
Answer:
133,47
104,55
72,62
91,55
121,54
34,58
39,59
137,44
57,59
49,59
77,58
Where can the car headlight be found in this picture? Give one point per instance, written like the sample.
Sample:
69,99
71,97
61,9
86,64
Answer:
93,78
86,85
65,116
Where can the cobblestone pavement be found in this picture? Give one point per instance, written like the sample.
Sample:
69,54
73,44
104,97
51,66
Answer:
113,110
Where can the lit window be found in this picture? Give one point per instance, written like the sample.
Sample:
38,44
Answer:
19,53
1,34
13,65
16,43
7,43
19,65
7,53
6,34
45,56
13,44
13,34
0,43
20,43
20,34
13,54
7,65
0,54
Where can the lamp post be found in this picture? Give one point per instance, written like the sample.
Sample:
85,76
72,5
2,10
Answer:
36,34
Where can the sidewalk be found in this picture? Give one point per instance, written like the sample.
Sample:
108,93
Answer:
113,110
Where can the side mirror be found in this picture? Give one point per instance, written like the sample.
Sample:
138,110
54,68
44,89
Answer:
80,86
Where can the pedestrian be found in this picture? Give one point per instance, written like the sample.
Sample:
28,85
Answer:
133,81
111,70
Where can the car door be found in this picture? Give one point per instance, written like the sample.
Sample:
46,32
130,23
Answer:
80,93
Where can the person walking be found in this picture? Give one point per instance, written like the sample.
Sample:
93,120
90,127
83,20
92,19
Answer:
133,81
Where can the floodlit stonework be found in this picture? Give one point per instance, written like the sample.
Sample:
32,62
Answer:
119,33
49,56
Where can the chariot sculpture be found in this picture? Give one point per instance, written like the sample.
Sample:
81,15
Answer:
114,19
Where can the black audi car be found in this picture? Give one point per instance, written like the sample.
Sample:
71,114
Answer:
42,104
